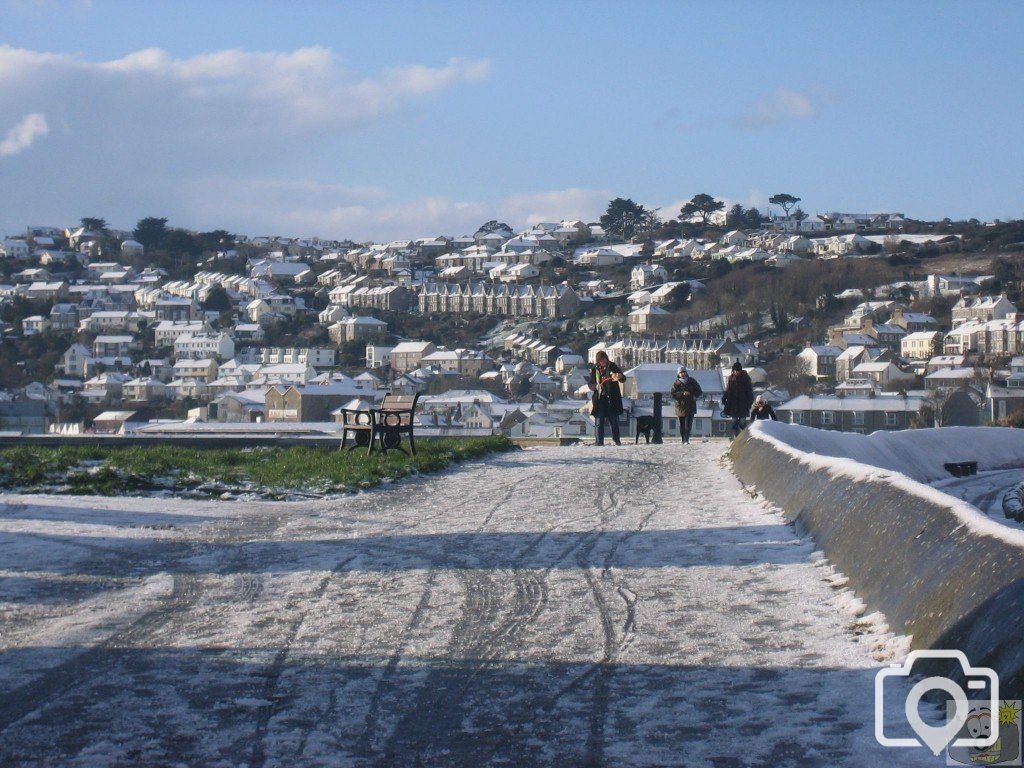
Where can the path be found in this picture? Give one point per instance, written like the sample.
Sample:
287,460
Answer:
577,606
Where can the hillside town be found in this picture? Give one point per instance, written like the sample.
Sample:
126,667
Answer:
103,332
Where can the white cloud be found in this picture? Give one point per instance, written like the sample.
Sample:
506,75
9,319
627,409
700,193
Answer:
308,85
269,206
23,135
143,132
784,104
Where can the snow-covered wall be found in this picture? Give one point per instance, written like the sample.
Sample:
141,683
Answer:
938,568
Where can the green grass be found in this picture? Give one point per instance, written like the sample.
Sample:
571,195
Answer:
274,472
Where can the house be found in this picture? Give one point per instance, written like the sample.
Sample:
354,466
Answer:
912,322
105,387
27,417
145,389
113,320
47,291
75,360
113,422
851,357
819,360
735,237
175,309
461,361
885,335
167,331
355,328
881,372
199,346
963,338
34,325
647,274
407,355
248,406
853,414
1004,401
921,345
649,319
378,355
132,249
308,403
191,377
113,346
951,378
63,317
249,332
982,308
285,374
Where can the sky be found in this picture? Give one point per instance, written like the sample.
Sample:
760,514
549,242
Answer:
385,120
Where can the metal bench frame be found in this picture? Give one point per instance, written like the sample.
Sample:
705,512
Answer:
381,427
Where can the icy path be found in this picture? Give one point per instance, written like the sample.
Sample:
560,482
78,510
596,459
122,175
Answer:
577,606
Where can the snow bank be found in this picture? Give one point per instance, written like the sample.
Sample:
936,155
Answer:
938,568
917,453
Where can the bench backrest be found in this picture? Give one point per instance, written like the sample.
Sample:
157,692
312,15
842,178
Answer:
398,402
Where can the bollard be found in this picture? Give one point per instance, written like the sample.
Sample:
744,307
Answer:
656,439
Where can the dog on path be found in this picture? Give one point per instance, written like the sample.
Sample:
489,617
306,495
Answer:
645,427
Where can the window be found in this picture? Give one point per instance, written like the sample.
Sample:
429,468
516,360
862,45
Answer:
858,418
796,417
892,419
828,418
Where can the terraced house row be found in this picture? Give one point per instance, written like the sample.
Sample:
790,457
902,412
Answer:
510,300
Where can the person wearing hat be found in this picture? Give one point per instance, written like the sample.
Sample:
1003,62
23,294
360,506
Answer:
762,410
606,402
685,391
738,398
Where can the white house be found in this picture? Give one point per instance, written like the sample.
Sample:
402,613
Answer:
199,346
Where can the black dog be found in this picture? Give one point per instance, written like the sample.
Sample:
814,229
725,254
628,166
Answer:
644,426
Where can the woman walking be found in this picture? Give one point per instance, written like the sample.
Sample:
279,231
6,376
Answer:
738,398
605,377
685,391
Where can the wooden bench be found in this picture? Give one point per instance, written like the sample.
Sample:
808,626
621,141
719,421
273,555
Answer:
382,427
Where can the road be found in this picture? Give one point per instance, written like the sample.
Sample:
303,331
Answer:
578,606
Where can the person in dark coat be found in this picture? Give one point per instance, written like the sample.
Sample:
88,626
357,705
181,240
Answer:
762,410
605,380
738,398
686,392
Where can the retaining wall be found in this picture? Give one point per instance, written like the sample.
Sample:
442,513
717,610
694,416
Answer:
938,568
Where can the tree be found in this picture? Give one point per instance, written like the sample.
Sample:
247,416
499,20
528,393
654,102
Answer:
217,300
494,225
798,216
784,201
217,240
650,221
150,232
701,205
753,217
735,217
624,217
92,224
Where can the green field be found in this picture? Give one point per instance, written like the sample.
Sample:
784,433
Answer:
275,473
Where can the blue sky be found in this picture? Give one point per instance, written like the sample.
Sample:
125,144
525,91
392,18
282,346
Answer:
381,120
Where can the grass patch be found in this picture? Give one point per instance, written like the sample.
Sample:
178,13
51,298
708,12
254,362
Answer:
199,472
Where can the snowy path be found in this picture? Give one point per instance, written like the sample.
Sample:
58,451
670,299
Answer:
577,606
